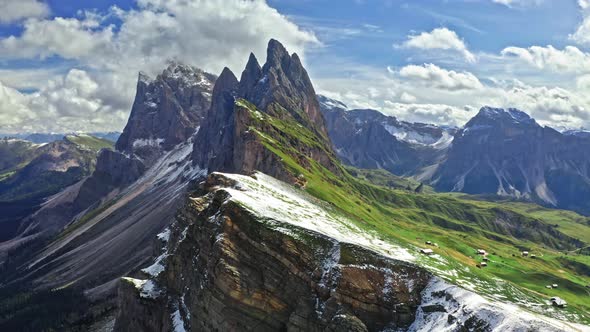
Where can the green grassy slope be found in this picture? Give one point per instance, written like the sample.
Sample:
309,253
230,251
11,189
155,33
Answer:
384,178
457,224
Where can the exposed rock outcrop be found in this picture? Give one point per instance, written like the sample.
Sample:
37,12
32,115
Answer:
228,268
251,253
508,153
366,138
166,110
282,89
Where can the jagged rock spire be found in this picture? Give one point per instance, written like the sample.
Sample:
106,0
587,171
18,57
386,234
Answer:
276,55
213,147
284,81
226,81
280,88
250,77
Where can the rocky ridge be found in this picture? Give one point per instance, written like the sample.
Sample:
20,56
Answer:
502,152
259,244
370,139
166,110
280,89
506,152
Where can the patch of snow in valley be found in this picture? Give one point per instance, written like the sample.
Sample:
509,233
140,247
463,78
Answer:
409,135
405,133
271,198
444,142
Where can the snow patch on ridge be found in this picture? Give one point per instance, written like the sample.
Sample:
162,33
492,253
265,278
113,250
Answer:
177,322
158,267
272,199
465,305
410,136
143,142
165,235
147,288
330,103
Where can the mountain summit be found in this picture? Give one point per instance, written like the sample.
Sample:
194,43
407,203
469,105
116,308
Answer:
280,89
166,109
506,152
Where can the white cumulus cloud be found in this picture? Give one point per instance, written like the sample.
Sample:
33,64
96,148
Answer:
16,10
209,34
570,58
440,39
432,75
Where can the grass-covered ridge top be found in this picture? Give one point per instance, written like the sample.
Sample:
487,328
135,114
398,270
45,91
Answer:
458,225
88,142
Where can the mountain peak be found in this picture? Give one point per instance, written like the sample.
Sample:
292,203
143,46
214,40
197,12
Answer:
226,81
275,52
252,62
179,74
166,110
499,113
143,77
331,104
250,76
510,116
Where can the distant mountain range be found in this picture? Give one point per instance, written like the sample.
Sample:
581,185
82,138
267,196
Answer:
40,138
30,173
498,152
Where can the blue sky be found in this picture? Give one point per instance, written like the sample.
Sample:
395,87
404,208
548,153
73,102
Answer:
69,65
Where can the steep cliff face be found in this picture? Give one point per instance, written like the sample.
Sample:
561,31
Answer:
366,138
253,253
230,266
166,110
506,152
130,197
